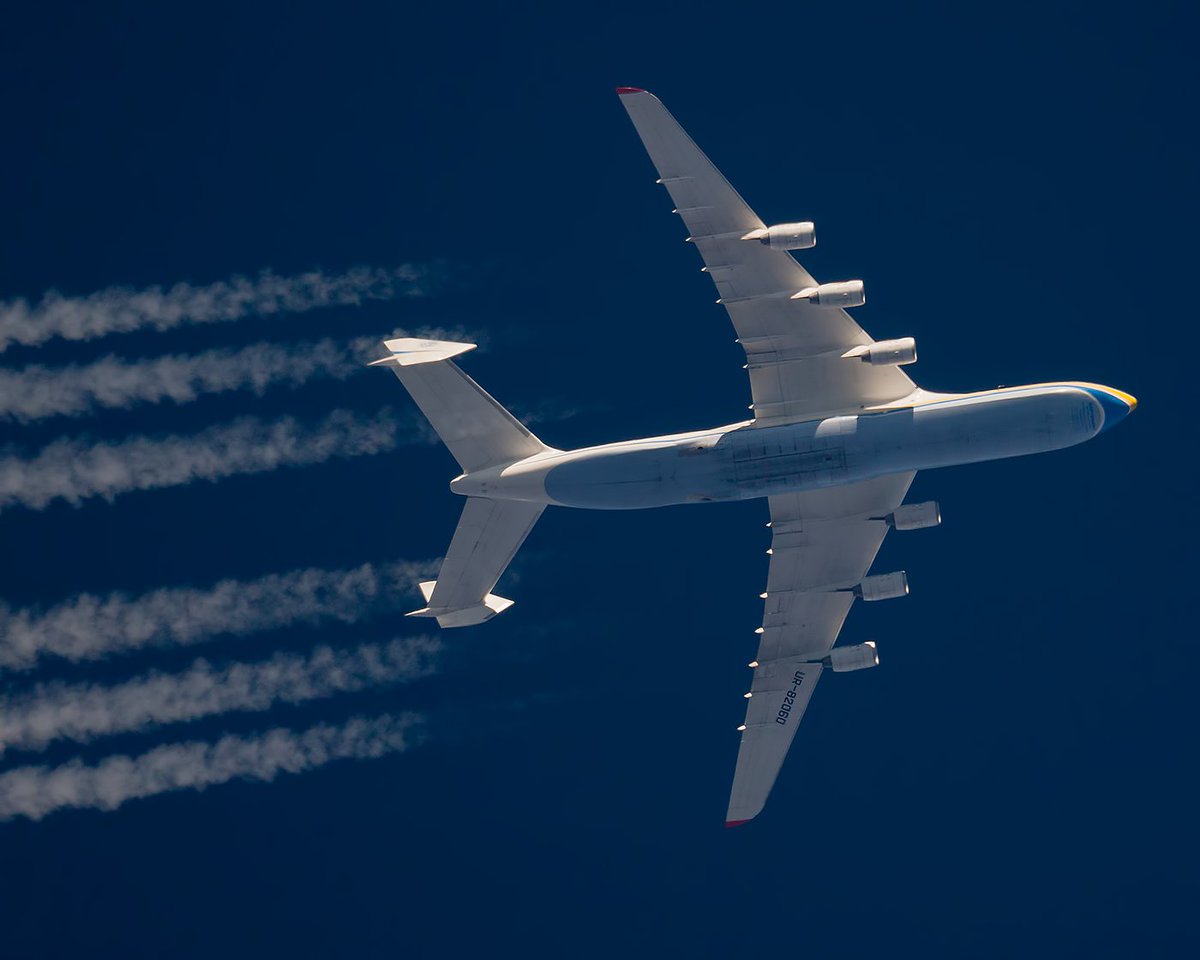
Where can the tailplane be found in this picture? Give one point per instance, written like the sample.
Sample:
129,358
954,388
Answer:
488,536
475,428
480,434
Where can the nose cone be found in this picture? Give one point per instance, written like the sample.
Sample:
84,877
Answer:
1117,406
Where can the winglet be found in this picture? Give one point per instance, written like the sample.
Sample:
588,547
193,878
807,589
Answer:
734,823
621,91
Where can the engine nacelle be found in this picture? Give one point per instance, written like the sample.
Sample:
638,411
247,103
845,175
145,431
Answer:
860,656
889,353
916,516
848,293
884,586
786,236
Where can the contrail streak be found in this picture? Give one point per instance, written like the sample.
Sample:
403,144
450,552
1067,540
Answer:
89,627
75,470
35,392
82,712
122,309
34,792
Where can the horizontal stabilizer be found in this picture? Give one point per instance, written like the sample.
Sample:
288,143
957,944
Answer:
407,351
477,431
488,535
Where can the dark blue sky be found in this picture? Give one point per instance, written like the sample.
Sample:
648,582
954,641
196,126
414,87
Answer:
1016,185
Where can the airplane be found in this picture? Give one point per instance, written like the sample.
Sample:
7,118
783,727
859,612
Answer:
837,433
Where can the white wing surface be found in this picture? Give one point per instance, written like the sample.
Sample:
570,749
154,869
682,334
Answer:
477,431
488,535
823,543
794,349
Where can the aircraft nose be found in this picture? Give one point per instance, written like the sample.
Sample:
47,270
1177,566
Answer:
1117,406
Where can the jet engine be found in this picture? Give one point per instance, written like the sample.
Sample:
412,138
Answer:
883,586
847,293
916,516
786,236
888,353
860,656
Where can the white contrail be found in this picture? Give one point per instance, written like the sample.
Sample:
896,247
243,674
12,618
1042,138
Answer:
122,309
75,470
82,712
34,792
89,627
36,391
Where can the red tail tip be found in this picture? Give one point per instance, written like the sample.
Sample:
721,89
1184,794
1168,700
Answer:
734,823
624,90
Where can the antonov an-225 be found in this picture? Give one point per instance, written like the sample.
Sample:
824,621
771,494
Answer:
837,434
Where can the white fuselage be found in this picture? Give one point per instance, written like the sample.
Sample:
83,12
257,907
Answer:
751,459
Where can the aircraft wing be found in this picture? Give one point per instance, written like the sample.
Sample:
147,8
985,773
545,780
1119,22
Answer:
823,542
794,349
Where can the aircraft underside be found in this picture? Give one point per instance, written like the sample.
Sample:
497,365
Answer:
743,461
838,433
